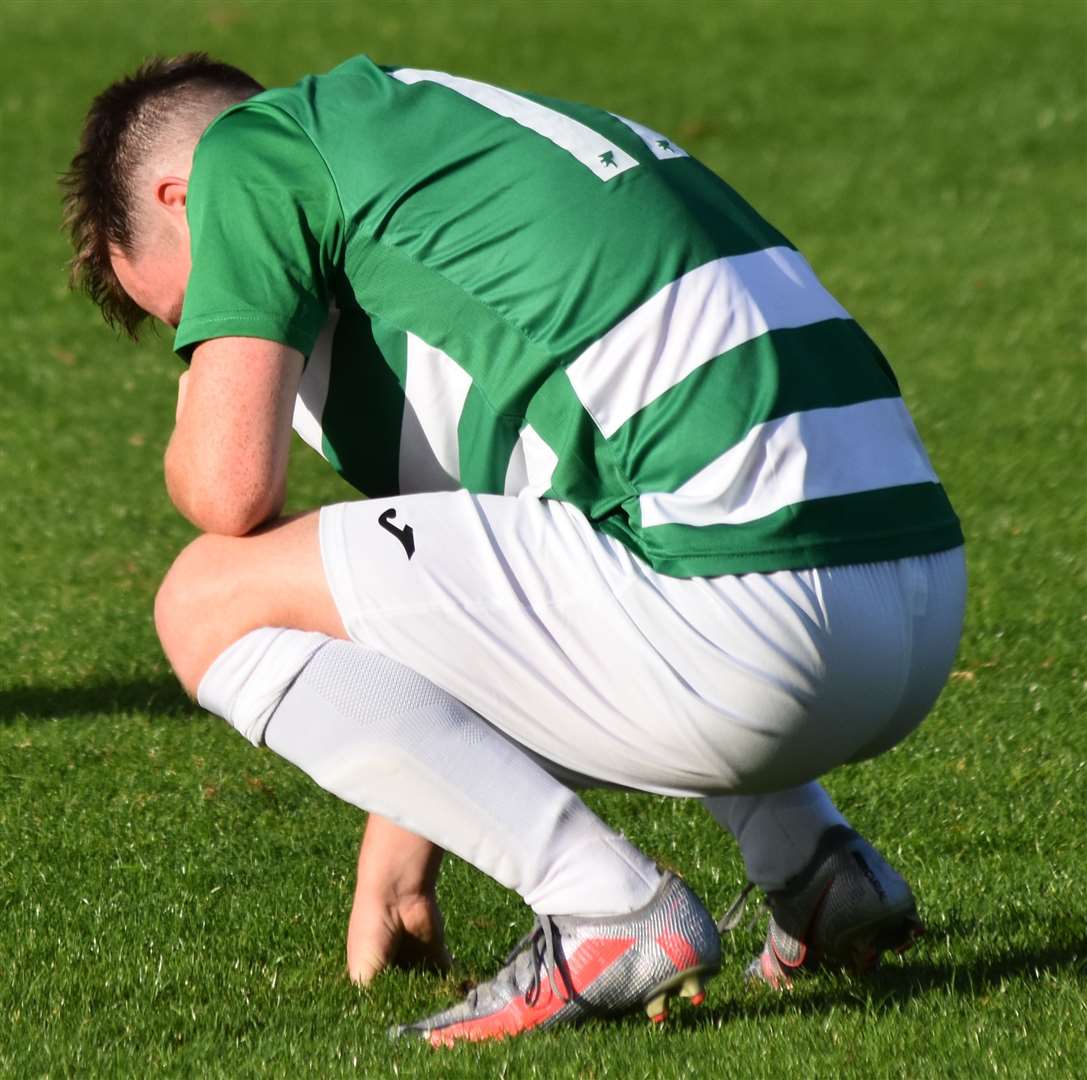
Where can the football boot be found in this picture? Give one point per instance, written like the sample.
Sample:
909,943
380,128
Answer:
568,968
844,909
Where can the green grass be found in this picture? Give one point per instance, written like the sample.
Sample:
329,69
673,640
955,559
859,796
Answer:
173,901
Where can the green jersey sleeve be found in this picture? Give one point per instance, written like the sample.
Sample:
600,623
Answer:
266,232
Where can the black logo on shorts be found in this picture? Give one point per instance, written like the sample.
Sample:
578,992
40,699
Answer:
406,535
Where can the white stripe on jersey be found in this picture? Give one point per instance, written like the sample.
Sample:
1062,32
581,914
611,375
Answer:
435,390
806,455
690,321
309,404
531,465
662,147
589,147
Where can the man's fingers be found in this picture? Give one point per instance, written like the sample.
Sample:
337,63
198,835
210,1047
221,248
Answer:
370,958
182,386
373,937
425,955
365,963
408,935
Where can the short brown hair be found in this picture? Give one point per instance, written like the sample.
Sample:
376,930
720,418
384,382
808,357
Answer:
118,134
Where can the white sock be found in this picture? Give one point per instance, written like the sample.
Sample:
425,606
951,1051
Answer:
777,832
385,739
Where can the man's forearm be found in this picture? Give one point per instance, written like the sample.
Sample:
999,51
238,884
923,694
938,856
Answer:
216,507
226,464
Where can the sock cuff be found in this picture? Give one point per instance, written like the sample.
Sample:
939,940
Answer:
247,681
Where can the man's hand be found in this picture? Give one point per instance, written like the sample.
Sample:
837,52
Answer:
182,386
395,918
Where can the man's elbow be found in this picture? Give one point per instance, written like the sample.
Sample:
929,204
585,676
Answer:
226,512
235,520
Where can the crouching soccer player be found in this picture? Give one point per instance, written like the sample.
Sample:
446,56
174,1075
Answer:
645,508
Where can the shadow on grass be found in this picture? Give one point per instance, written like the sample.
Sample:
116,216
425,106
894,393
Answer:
160,696
898,983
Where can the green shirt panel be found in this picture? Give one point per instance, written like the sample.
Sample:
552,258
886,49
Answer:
362,417
266,232
870,526
461,200
828,364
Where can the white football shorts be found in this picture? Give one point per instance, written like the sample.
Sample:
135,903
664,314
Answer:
577,650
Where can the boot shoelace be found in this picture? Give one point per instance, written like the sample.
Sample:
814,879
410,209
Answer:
731,918
541,941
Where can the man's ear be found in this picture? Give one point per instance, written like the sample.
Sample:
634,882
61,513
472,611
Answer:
171,193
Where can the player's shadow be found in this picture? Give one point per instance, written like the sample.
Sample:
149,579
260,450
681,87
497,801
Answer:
160,696
899,981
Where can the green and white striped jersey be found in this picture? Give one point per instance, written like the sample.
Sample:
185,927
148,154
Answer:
539,298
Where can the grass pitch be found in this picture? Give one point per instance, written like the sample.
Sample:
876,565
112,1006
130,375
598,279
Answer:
172,901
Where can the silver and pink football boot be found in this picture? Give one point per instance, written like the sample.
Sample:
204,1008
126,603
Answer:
568,968
843,910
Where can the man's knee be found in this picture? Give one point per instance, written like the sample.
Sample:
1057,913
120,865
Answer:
192,608
221,587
